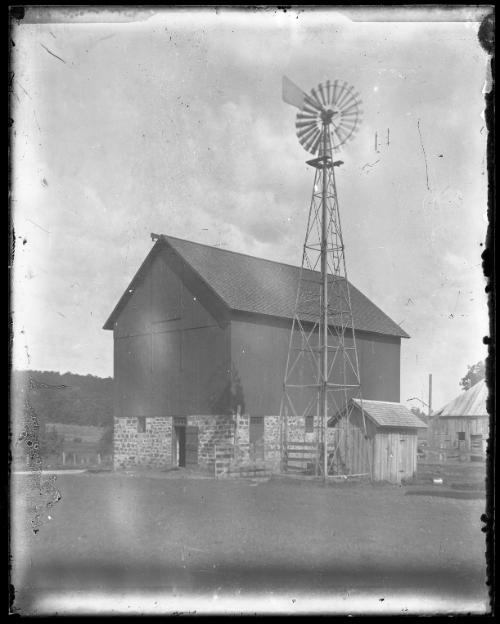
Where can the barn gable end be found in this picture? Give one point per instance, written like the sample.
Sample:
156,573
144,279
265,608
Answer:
171,345
463,423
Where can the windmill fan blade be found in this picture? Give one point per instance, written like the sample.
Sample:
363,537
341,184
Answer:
331,107
314,147
304,133
322,93
311,141
292,94
303,123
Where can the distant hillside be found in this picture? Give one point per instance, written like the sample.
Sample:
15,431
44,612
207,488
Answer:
66,398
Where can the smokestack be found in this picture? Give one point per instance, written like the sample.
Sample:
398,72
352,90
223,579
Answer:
430,394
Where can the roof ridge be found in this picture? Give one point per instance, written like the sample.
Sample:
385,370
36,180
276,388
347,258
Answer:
238,253
378,401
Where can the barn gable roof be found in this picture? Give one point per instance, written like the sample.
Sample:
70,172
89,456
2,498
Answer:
258,286
472,402
387,414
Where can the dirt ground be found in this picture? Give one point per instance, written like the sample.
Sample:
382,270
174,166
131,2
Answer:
358,546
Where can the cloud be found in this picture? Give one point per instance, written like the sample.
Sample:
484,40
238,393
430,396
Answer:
175,124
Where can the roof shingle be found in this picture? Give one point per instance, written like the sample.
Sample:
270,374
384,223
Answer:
387,414
260,286
472,402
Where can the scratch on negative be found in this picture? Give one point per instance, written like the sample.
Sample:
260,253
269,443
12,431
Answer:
55,55
370,164
38,226
425,157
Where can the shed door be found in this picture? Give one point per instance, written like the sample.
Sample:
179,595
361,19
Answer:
403,457
191,446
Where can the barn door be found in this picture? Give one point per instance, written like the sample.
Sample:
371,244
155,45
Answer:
256,437
476,443
179,450
191,446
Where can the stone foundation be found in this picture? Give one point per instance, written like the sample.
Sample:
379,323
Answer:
213,431
226,435
151,449
296,430
272,443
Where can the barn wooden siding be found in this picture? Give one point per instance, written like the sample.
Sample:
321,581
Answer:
444,430
171,352
259,348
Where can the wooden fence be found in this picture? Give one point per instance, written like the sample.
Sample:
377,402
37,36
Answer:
243,460
301,457
347,455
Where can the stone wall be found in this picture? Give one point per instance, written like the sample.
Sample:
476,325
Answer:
151,449
272,443
296,429
242,450
213,431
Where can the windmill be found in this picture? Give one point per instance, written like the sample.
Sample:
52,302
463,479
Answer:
322,369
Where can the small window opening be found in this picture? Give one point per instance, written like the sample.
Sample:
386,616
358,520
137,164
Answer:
310,423
141,424
461,435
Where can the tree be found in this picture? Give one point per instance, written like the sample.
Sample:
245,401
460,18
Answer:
51,443
475,373
419,413
106,442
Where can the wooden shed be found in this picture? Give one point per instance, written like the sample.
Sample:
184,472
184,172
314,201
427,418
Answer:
388,451
201,338
462,424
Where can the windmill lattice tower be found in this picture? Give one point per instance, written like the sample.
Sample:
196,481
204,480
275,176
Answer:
322,369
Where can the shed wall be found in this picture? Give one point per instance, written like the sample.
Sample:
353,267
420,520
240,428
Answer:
352,450
395,455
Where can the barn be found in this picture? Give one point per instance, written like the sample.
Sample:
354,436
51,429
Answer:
201,337
463,423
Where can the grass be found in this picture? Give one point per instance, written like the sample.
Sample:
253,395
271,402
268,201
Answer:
188,536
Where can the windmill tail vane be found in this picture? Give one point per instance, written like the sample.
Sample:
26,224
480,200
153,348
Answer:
292,94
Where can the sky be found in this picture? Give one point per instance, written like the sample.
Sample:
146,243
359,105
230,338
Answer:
140,121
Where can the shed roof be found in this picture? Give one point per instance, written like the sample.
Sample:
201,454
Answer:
472,402
258,286
388,414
